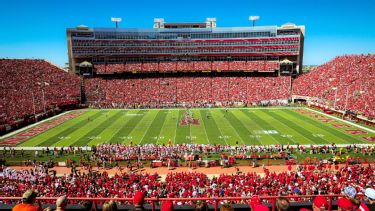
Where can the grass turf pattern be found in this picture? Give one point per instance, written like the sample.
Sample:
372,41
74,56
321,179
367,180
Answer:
250,126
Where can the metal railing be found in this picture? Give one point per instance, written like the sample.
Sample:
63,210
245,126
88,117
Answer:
215,201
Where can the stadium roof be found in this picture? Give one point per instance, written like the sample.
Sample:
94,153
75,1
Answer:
286,61
213,30
85,64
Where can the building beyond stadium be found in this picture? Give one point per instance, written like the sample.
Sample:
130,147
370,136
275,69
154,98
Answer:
185,47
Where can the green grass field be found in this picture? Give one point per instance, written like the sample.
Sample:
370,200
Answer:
250,126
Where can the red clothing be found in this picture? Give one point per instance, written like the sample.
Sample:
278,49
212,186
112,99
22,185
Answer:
26,207
363,207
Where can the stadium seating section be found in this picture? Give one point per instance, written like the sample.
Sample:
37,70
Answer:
348,79
221,66
309,180
146,91
25,83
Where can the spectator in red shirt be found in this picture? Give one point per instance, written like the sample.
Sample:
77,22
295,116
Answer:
167,206
261,207
345,204
28,199
319,204
139,199
350,192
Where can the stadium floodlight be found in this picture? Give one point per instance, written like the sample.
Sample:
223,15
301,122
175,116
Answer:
253,19
158,23
211,22
117,20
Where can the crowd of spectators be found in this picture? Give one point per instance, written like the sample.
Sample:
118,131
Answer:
150,66
33,86
345,83
203,66
133,67
262,65
304,181
182,151
117,92
184,66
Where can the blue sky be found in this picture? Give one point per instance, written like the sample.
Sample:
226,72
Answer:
36,29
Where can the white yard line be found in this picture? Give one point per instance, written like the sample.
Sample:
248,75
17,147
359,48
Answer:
234,129
261,128
148,128
191,140
175,132
312,133
161,129
114,133
287,127
221,132
336,118
204,128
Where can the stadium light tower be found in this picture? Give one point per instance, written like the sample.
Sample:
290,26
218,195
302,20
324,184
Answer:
253,19
117,20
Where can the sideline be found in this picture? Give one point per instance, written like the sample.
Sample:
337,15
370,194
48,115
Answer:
87,148
336,118
33,125
197,108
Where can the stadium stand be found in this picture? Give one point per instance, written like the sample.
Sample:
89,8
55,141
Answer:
220,65
204,66
346,74
122,92
115,68
345,83
261,66
101,68
184,66
31,87
169,63
167,66
307,180
150,66
237,65
133,67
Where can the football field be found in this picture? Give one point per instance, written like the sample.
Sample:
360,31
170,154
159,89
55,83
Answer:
250,126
